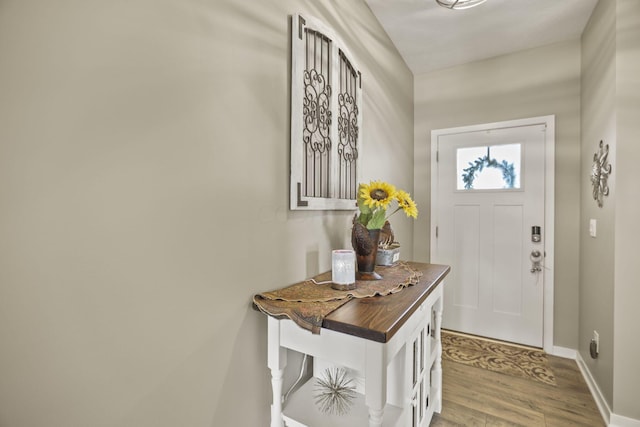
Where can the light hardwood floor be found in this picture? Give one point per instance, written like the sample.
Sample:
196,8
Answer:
477,397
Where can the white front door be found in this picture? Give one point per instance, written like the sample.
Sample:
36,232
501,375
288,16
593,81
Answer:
489,215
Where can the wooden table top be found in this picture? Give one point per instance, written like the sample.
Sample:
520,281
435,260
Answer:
379,318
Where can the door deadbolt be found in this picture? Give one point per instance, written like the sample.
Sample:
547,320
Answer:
536,236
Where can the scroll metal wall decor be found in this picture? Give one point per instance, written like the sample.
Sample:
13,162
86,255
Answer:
326,119
600,174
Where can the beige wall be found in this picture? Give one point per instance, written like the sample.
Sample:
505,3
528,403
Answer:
609,270
597,255
531,83
627,269
144,192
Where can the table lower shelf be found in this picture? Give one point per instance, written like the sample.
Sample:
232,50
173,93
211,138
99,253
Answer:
300,410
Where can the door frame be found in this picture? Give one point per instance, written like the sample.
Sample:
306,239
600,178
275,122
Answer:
549,208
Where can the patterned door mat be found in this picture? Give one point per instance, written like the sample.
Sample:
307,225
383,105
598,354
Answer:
499,357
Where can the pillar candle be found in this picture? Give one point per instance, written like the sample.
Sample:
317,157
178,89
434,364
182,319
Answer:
343,267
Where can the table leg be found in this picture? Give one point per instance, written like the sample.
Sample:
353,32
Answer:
277,360
276,406
375,383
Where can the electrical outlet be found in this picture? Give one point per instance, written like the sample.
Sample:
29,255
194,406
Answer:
596,339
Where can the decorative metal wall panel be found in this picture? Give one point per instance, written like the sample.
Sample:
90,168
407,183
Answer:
316,115
600,174
348,127
326,119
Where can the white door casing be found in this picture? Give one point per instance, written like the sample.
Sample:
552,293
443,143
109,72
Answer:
485,235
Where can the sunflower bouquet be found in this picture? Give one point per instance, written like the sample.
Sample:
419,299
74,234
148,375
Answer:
371,229
375,198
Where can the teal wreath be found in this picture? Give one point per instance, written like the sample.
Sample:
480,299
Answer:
508,172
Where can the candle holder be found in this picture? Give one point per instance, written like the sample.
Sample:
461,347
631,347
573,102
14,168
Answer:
343,269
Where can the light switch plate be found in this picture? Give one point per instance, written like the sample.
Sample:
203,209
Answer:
593,227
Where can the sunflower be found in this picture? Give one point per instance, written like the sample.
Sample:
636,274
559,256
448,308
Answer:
377,194
407,204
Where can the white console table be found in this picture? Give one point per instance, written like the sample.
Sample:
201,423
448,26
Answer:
390,344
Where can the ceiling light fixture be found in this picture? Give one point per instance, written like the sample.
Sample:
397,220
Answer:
459,4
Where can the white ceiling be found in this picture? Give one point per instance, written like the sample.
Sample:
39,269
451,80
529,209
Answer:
430,37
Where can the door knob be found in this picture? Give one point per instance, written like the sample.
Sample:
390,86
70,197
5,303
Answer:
536,259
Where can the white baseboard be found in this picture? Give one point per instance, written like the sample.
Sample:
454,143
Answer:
601,402
567,353
611,419
620,421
